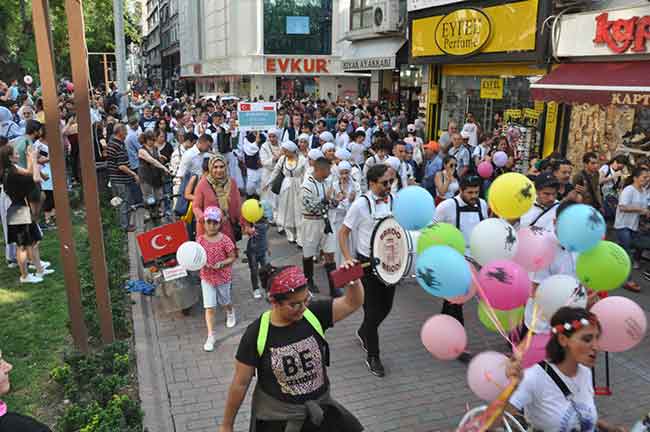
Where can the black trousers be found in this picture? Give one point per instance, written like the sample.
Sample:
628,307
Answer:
377,303
254,264
454,310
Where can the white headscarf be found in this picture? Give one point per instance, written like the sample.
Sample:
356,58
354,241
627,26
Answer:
290,146
275,131
342,154
393,162
327,147
303,137
344,166
326,137
315,154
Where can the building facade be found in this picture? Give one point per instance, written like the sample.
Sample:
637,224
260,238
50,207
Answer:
151,43
170,50
267,49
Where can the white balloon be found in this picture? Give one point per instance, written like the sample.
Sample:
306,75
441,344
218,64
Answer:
493,239
486,375
191,256
28,79
557,291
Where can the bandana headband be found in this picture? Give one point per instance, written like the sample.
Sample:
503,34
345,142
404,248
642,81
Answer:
288,280
575,325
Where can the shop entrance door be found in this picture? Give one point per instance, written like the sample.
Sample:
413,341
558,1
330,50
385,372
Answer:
410,102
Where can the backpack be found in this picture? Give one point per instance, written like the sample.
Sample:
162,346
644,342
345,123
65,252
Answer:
265,322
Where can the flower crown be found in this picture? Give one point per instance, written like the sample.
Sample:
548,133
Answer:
575,325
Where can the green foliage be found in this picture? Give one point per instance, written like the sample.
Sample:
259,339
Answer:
120,414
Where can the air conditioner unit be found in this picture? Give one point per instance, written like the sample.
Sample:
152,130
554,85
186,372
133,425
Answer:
386,16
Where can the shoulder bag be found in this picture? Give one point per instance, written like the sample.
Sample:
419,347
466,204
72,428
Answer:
276,183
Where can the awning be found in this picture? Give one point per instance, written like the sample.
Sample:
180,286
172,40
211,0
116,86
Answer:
372,54
621,83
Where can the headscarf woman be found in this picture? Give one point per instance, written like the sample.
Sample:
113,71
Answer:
218,189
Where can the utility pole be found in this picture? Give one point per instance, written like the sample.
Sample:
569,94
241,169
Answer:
120,51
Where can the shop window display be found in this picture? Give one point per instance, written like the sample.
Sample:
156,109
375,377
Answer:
607,130
298,27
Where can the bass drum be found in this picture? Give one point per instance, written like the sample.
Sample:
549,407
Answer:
391,251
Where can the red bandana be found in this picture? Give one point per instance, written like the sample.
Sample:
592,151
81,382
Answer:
288,280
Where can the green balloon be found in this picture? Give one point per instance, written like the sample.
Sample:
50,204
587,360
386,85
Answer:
604,267
509,319
441,234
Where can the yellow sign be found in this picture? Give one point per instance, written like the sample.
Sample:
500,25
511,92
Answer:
463,32
433,94
512,115
491,88
549,130
513,29
539,106
531,117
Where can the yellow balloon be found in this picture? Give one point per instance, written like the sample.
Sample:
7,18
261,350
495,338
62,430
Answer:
252,210
511,195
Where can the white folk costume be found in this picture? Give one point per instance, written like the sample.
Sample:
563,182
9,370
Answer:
351,191
236,139
269,155
251,155
289,215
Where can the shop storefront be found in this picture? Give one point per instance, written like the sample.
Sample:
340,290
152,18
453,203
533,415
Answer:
483,57
604,83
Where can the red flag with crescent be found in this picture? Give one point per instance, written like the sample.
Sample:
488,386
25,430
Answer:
162,241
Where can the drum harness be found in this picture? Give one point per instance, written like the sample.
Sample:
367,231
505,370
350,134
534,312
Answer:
467,209
371,207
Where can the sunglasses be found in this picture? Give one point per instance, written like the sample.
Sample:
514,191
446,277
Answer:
296,306
387,183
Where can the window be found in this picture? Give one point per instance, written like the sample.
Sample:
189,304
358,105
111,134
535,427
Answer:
298,27
360,14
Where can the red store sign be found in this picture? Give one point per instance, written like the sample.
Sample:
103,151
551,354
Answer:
623,34
296,65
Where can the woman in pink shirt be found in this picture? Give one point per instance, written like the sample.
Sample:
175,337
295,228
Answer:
220,190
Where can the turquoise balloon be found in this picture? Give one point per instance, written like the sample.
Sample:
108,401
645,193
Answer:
443,272
580,227
414,208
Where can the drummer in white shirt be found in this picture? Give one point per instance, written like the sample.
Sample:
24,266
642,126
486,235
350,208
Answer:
464,211
364,213
542,213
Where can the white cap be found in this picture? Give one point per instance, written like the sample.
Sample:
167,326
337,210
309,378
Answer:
326,137
327,147
344,166
289,146
392,162
315,154
342,154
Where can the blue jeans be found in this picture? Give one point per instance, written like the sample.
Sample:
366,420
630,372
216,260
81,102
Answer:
125,192
625,238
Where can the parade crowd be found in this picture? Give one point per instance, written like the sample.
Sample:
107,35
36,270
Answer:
325,175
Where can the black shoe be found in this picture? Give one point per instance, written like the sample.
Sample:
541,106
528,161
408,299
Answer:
375,367
465,357
362,341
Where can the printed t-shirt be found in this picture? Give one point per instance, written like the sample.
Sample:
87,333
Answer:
216,251
292,366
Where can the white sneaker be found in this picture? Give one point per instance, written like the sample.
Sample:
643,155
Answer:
30,278
230,319
44,264
45,272
209,343
257,294
12,264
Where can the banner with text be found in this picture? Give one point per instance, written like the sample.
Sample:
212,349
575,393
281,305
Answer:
256,116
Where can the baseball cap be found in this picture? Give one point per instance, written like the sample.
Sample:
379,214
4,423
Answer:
432,145
212,213
546,180
287,280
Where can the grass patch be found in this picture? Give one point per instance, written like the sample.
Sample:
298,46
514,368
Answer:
34,330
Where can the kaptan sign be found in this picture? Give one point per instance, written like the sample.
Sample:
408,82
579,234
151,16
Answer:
372,63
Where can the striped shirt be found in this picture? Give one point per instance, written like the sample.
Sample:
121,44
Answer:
116,156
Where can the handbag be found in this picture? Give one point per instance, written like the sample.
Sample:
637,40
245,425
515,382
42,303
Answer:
181,203
189,215
276,183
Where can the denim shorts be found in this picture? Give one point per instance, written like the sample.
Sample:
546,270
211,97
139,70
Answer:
214,296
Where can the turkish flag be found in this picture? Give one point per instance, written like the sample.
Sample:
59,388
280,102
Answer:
162,241
244,107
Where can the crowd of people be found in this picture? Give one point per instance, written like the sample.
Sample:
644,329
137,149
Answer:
325,175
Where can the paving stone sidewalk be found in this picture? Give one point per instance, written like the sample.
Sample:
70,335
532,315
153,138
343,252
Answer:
418,394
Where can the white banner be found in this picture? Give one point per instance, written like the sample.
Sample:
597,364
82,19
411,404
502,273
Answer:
414,5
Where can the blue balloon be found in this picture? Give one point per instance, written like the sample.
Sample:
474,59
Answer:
580,227
443,272
414,208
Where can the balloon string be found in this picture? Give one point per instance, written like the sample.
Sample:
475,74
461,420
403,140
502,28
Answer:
490,310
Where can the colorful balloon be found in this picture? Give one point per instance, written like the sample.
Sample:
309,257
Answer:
69,86
604,267
557,291
493,239
511,195
505,284
623,322
536,351
252,210
485,169
580,227
444,337
462,299
191,256
414,208
486,375
28,80
441,234
443,272
536,248
500,159
509,320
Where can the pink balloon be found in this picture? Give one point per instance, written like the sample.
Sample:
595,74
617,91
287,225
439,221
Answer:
536,248
536,351
69,86
470,294
505,284
623,323
485,169
444,337
486,375
500,158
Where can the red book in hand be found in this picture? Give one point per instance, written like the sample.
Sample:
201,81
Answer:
343,276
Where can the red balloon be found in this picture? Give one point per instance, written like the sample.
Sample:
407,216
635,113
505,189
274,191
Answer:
70,86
